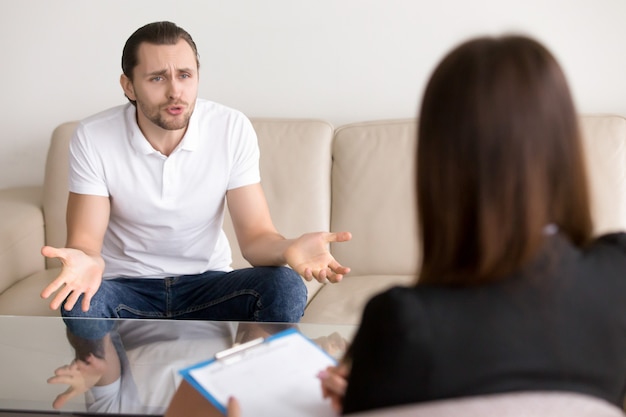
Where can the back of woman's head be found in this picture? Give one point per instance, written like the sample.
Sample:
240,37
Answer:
499,158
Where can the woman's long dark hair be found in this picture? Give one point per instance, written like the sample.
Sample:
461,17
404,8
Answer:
499,157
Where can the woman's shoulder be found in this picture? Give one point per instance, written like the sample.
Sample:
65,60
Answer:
616,241
396,303
609,249
398,312
395,295
413,297
607,253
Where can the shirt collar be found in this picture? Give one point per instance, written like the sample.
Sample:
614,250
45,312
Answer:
140,143
192,137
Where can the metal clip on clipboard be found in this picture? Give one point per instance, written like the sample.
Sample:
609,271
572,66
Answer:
231,352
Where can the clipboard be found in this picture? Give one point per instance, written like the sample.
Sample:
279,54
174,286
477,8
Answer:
275,376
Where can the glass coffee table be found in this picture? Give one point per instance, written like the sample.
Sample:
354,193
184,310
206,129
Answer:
124,367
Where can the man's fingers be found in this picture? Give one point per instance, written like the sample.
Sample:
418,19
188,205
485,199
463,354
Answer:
60,296
65,370
325,275
86,300
61,399
57,284
321,275
70,300
60,379
337,268
307,274
335,278
339,237
49,251
336,271
54,286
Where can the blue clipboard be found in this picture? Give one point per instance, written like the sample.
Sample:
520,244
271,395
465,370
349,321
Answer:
268,376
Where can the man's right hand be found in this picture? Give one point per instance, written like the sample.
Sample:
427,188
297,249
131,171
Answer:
81,274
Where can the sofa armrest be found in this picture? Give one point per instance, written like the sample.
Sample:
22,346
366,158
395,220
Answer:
22,234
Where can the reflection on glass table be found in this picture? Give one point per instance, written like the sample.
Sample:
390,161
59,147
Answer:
120,366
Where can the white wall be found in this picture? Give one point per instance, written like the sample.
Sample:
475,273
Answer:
339,60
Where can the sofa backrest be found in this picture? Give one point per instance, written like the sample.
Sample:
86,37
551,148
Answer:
374,196
358,178
604,141
55,188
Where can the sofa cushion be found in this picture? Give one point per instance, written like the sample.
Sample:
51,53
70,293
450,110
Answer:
373,197
22,299
343,303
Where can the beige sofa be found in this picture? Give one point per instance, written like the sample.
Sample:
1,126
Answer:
357,177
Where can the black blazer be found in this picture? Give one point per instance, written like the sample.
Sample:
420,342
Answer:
559,324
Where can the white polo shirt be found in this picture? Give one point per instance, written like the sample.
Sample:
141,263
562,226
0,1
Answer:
166,212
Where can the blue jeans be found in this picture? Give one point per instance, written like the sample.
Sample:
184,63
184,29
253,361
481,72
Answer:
266,294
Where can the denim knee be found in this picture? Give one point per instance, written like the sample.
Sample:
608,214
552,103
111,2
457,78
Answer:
91,324
285,302
84,326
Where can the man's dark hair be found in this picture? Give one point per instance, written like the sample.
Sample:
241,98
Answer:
157,33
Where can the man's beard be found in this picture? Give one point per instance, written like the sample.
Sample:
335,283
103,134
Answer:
155,116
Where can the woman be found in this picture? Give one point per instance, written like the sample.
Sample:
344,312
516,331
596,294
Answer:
514,294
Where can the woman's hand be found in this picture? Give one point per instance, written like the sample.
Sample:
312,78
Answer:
233,409
334,383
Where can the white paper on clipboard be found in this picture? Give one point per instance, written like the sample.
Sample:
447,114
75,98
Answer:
272,377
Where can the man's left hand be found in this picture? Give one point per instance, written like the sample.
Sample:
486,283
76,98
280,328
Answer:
309,256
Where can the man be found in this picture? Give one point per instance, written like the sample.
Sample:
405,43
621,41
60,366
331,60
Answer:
148,183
